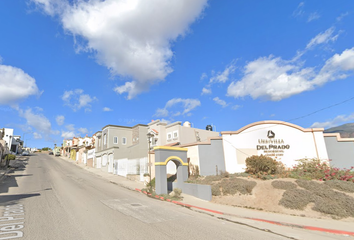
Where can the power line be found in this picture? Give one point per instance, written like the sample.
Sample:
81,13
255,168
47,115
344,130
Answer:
328,107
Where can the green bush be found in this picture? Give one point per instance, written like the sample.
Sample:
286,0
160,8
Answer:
151,184
177,192
283,185
10,157
262,164
309,169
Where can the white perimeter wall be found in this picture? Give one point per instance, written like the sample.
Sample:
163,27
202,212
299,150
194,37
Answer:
243,143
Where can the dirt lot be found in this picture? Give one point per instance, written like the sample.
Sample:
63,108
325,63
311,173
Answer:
265,197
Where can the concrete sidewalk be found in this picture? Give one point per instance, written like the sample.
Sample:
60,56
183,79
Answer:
259,219
3,172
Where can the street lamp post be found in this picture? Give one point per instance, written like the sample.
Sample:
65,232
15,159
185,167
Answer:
149,135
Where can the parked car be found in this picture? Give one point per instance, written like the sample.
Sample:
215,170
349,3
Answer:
50,153
25,153
57,154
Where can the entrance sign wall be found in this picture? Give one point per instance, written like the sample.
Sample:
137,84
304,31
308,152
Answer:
282,141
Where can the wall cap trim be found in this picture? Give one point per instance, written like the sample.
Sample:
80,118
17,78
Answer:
275,123
338,137
170,148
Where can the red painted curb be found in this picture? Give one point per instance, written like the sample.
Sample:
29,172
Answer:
340,232
329,230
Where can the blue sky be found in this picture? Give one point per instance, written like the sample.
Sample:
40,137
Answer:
68,68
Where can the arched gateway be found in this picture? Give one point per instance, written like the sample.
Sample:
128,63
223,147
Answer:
162,156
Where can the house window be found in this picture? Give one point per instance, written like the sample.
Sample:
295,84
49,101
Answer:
169,136
104,139
153,141
115,140
124,140
175,134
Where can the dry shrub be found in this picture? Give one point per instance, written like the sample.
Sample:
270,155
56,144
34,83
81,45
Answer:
237,185
194,170
335,203
262,164
208,180
326,200
341,185
215,189
296,199
224,174
283,185
312,185
177,192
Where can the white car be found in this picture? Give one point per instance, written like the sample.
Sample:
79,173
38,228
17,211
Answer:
25,153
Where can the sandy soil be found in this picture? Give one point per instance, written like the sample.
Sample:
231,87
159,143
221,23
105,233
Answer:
266,198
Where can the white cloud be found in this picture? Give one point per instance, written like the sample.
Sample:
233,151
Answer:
222,77
76,99
272,78
37,135
60,120
15,85
71,131
70,127
235,107
83,130
206,91
343,15
187,106
107,109
67,134
37,121
131,38
220,102
341,119
219,77
55,132
275,79
339,66
299,10
323,37
313,16
204,76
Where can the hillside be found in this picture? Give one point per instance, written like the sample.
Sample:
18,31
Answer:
345,130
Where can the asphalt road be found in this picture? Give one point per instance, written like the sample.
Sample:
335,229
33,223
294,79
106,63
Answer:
48,198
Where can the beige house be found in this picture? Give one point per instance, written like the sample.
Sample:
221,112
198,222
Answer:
117,147
178,134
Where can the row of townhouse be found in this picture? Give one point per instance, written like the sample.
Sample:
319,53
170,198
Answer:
128,151
9,141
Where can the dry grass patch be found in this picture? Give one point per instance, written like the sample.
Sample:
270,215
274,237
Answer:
296,199
237,185
325,199
341,185
283,185
229,185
